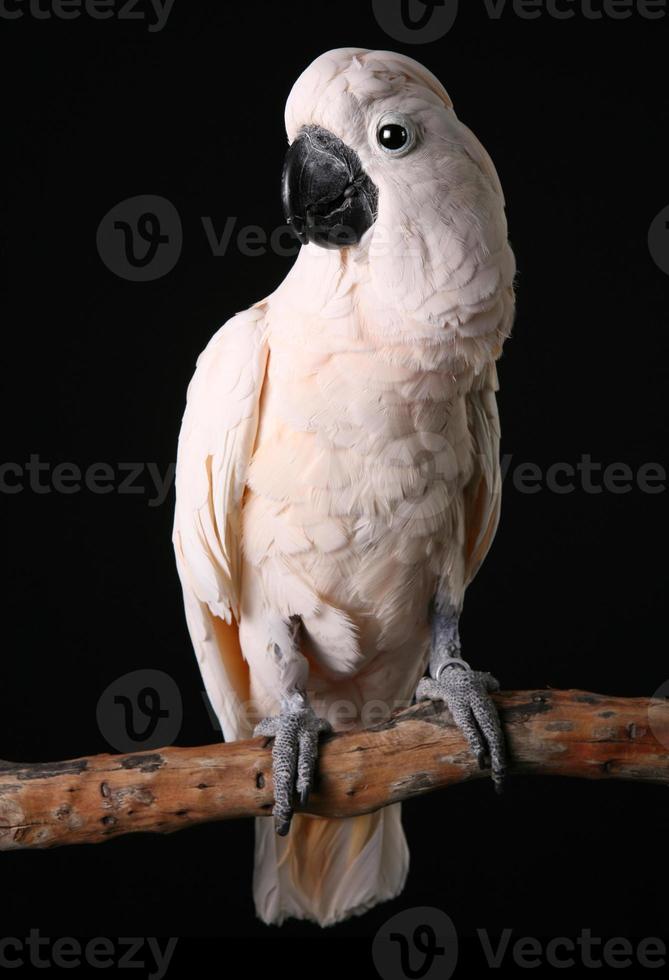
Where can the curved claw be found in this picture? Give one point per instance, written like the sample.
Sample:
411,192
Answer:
296,732
487,718
466,694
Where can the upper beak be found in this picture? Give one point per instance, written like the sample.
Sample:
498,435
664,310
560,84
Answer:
328,198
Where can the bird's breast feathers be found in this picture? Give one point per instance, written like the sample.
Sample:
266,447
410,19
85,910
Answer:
364,446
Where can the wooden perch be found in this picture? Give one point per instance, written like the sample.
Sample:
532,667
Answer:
562,733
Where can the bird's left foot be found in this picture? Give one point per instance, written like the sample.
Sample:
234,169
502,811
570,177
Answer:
466,693
295,731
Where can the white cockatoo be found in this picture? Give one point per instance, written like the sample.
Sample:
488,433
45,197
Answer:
338,480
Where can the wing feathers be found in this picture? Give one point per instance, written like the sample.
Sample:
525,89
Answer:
215,446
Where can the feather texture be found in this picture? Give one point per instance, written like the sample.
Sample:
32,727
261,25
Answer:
339,456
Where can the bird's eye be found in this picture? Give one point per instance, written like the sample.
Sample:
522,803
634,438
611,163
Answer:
393,137
395,134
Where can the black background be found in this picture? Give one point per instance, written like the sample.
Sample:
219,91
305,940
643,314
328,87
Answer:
574,114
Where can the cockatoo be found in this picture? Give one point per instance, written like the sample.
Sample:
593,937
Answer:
338,479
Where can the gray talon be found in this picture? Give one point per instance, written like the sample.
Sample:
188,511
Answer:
296,731
466,693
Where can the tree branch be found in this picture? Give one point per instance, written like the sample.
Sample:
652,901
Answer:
562,733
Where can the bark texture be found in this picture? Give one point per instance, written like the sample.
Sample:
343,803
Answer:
549,733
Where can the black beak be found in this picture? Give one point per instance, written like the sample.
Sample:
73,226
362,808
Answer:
328,199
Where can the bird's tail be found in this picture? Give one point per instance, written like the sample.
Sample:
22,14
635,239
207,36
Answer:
329,870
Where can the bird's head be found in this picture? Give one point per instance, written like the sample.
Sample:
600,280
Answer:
379,164
362,126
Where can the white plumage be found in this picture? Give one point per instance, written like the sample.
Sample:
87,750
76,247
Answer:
338,459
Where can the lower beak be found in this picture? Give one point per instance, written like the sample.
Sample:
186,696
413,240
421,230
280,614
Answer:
328,199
